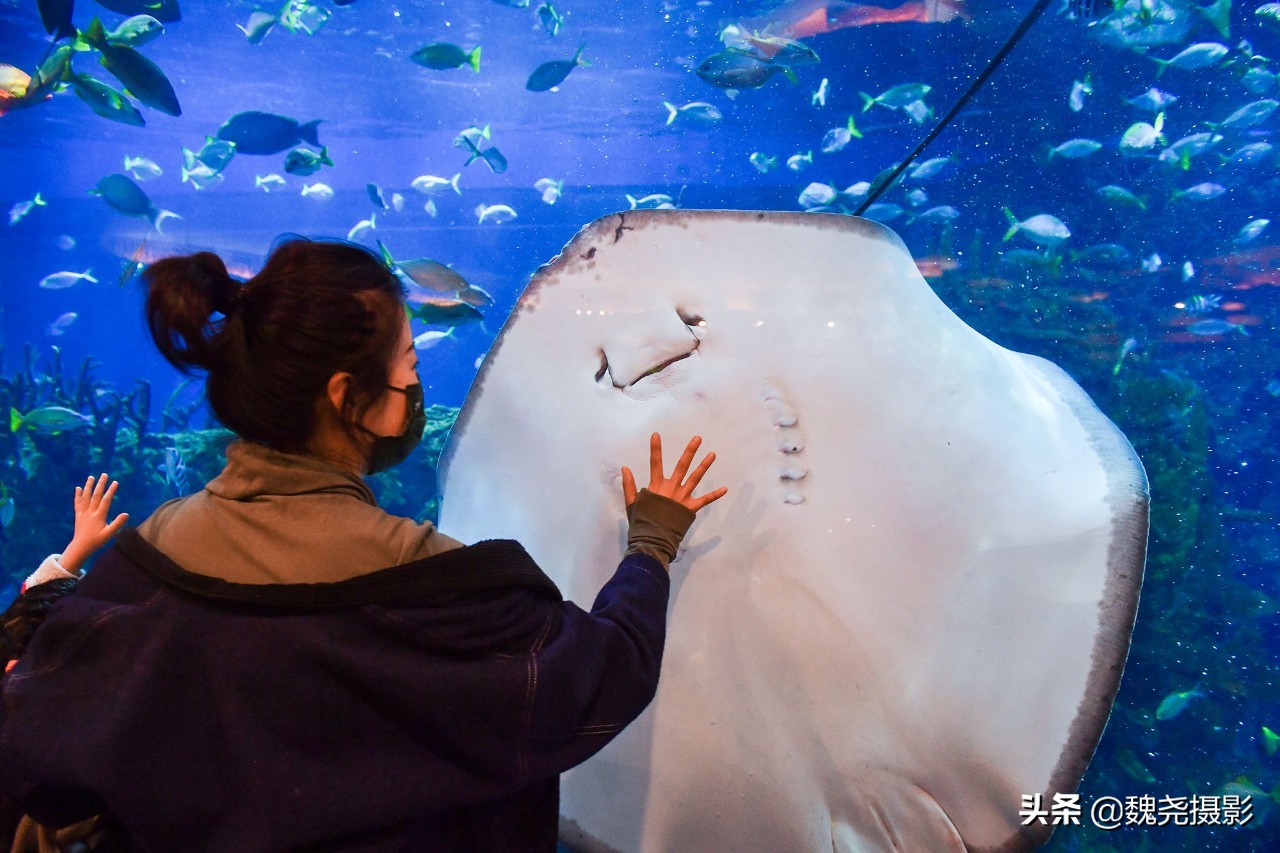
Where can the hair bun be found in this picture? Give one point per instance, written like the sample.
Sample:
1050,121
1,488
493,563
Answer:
210,273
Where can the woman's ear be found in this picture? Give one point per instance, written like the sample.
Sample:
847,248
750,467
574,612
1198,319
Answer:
336,390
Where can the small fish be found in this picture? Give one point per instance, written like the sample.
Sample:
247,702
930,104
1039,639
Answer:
548,75
443,56
214,153
1251,231
800,162
1043,229
58,326
1074,149
550,189
303,16
142,168
428,339
66,242
136,31
22,208
655,201
1188,271
424,274
838,137
135,265
1209,328
883,212
550,18
1126,349
301,161
174,468
431,184
1103,255
1175,703
1153,99
897,97
735,68
266,182
819,98
1152,263
1183,150
929,169
1120,197
317,191
1251,155
1273,387
442,311
397,202
1250,114
362,226
763,162
1079,89
1202,304
1142,137
697,113
1193,58
917,197
430,207
376,196
941,213
1270,740
475,135
60,280
259,24
497,213
201,176
1206,191
817,195
48,420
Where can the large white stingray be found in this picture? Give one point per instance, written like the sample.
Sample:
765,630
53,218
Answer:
913,606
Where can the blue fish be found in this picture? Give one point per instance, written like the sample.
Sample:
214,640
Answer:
551,74
256,132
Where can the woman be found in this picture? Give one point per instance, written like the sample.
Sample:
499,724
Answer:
275,663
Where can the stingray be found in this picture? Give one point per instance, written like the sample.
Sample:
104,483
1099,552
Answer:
913,607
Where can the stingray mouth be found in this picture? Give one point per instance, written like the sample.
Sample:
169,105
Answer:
696,325
652,371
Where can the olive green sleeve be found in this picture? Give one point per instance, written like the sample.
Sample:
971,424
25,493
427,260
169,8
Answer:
657,526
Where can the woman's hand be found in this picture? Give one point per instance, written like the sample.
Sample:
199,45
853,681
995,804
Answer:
93,505
676,486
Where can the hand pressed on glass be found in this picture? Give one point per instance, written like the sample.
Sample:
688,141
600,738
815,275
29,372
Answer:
676,487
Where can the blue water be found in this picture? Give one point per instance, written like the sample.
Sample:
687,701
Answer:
1200,408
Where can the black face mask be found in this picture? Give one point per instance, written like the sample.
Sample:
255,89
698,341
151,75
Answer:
391,450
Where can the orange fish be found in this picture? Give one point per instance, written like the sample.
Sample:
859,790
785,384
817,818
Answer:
13,87
799,19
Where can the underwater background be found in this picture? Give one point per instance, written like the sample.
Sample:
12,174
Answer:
1104,200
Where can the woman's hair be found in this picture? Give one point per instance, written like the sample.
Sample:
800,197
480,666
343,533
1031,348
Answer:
270,344
19,622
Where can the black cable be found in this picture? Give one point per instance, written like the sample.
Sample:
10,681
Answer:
885,181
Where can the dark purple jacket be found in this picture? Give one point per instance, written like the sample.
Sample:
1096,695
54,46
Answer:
429,706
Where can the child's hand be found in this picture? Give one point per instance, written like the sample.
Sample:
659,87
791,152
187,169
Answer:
93,504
